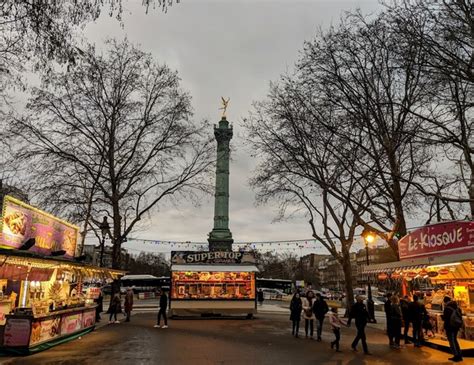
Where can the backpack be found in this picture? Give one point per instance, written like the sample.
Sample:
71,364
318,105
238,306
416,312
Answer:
455,321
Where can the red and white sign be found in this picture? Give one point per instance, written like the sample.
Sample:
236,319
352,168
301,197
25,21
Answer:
438,240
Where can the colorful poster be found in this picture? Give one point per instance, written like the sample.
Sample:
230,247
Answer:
21,222
17,332
71,323
438,239
88,319
44,330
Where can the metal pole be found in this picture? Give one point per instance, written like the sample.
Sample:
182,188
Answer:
370,302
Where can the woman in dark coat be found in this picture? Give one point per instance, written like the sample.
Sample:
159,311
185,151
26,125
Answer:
396,322
296,306
115,307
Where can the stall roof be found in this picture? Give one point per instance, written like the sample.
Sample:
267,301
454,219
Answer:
18,257
418,263
215,268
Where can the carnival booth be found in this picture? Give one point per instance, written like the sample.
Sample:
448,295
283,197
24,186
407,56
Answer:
436,261
213,283
42,301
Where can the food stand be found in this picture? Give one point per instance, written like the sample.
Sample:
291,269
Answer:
437,261
42,302
213,283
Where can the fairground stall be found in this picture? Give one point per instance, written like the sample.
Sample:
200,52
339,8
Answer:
42,301
436,261
213,283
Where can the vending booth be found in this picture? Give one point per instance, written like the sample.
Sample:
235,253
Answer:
42,299
436,261
213,283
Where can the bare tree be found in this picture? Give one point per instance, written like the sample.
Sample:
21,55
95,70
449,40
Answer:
445,33
371,78
301,170
114,132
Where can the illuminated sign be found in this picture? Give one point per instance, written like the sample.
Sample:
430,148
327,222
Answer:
21,221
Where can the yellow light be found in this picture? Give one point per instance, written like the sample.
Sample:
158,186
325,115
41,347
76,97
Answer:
369,238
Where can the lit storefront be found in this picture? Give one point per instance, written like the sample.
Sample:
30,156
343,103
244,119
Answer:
436,261
213,283
42,301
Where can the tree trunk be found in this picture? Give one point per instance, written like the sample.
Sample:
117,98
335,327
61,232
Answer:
117,235
471,194
347,268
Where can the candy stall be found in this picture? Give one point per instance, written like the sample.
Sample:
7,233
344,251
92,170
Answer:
42,299
213,283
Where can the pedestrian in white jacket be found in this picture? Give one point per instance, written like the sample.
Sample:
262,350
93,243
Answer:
308,313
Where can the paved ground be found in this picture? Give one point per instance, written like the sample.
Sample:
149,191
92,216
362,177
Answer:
264,340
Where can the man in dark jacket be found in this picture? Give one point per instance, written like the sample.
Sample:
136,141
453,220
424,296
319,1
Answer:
415,313
451,328
361,316
406,317
162,311
387,309
320,308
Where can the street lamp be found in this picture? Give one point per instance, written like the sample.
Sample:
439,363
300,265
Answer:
368,239
105,230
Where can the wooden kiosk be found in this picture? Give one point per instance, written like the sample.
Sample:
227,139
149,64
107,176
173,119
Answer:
213,283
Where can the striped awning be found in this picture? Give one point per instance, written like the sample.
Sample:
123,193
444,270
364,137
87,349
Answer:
389,267
416,264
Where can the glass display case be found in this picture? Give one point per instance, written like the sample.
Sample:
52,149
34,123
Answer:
208,285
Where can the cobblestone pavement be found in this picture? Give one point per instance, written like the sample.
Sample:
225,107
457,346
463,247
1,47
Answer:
264,340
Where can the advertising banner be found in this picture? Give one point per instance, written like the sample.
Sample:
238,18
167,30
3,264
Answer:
17,332
438,240
214,257
71,323
88,319
44,330
21,222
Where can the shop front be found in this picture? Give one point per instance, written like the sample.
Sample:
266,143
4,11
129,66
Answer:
213,283
436,261
42,299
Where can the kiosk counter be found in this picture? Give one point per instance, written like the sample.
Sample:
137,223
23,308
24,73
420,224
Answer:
213,283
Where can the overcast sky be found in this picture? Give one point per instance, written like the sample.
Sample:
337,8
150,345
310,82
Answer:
234,49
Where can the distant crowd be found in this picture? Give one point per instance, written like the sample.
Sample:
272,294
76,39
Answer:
400,313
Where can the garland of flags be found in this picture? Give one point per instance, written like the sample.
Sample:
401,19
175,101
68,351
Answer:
288,245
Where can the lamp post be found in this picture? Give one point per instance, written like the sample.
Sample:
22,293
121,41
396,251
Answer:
369,238
105,230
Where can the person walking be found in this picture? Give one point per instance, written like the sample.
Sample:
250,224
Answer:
387,307
296,306
162,311
452,318
416,317
100,306
308,313
361,315
336,324
406,317
128,303
320,308
115,307
260,297
396,322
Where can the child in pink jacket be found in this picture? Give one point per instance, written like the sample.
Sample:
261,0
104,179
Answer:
336,324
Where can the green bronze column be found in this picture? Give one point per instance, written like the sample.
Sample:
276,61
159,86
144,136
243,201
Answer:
220,238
